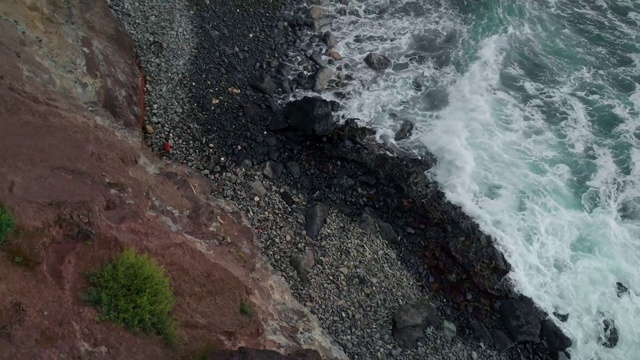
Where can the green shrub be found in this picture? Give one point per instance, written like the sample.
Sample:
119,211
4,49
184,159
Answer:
7,224
245,309
133,291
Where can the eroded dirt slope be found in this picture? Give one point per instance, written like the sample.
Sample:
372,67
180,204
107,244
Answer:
83,187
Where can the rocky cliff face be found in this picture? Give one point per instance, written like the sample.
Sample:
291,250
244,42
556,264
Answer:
83,186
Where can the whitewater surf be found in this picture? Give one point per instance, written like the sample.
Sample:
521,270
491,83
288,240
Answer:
532,109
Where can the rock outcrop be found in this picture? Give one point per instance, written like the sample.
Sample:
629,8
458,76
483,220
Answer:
83,186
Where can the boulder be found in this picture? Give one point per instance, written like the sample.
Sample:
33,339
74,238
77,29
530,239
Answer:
480,331
554,337
322,77
329,39
264,83
410,321
310,116
405,130
621,289
611,336
315,219
502,341
448,330
520,317
272,170
377,62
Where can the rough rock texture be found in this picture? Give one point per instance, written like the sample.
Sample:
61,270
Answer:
83,187
377,62
310,115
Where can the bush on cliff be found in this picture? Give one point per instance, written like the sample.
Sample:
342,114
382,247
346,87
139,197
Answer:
7,224
133,291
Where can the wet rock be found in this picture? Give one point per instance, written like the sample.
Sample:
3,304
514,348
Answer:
520,318
435,99
272,170
405,130
410,321
559,355
315,12
264,83
621,289
310,116
561,317
334,55
283,70
329,39
554,337
502,341
322,77
377,62
611,336
400,66
315,219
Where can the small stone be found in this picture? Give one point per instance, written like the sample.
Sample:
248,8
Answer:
315,12
148,129
258,189
272,170
316,217
335,56
474,355
449,330
344,270
294,169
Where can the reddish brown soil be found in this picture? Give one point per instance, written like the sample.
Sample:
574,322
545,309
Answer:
82,188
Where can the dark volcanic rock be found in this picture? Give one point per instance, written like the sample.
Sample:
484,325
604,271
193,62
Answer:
405,130
315,219
377,62
264,83
272,170
310,116
521,319
502,341
621,289
553,336
410,321
322,77
329,39
480,331
611,336
561,317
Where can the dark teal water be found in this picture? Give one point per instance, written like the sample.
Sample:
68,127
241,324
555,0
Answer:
533,111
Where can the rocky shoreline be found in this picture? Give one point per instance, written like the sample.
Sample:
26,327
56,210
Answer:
367,243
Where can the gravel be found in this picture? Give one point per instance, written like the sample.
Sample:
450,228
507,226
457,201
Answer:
199,58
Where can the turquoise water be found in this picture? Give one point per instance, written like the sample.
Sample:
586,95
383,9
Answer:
533,111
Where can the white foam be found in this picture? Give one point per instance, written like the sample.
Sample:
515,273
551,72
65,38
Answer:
532,169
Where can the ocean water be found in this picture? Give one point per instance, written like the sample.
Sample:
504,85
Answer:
532,109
